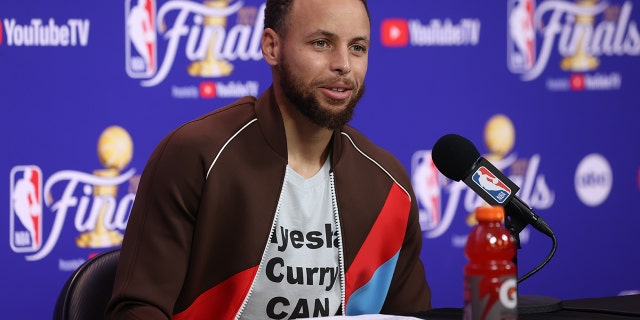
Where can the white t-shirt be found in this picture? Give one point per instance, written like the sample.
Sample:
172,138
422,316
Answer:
300,275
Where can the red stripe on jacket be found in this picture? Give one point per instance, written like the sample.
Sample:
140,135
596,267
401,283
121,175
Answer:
383,242
222,301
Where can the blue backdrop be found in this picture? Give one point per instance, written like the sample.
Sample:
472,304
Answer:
547,90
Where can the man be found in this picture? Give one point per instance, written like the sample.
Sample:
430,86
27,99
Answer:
272,207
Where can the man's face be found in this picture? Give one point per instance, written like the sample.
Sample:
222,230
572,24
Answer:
324,59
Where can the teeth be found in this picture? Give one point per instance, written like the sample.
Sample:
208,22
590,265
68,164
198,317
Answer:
337,89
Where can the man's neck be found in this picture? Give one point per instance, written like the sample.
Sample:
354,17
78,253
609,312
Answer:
307,143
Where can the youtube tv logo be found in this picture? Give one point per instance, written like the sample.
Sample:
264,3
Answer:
577,82
207,90
394,33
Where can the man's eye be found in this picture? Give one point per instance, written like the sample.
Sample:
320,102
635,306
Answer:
321,43
359,48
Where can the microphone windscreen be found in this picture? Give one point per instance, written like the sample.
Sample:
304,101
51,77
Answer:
454,156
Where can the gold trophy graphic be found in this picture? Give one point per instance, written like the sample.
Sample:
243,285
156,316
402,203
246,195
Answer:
211,66
499,137
115,150
581,61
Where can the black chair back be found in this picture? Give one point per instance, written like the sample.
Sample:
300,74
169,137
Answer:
86,294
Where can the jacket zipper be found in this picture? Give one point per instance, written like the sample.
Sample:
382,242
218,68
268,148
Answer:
336,214
264,252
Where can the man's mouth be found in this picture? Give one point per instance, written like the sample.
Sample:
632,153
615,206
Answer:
337,93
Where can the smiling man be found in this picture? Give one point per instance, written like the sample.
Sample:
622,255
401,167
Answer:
273,207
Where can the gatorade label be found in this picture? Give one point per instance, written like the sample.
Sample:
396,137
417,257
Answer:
488,300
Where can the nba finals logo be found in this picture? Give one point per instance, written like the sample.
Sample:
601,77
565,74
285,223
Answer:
201,30
26,209
581,32
90,200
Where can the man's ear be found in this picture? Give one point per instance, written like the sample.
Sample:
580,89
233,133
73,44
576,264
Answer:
270,46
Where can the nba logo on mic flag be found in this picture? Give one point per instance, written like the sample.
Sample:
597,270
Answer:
26,209
491,184
141,44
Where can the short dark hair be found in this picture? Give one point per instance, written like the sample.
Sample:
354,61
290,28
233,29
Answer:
276,14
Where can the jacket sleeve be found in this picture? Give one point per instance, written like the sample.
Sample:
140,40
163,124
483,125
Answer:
409,292
155,250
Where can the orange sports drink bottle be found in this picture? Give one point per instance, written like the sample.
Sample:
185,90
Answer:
490,276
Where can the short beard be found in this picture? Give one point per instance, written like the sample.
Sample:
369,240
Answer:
307,103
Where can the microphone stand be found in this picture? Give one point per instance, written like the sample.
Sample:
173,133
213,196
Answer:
514,224
528,303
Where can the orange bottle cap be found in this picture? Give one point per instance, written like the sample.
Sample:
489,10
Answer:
493,213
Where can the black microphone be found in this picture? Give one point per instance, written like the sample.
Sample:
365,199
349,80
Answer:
458,159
